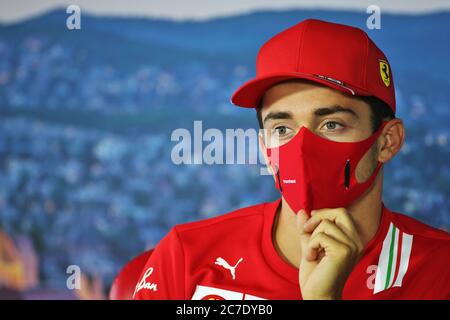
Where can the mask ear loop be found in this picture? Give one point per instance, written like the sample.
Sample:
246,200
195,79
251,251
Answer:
347,169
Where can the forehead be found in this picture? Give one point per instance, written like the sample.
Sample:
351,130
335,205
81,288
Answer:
302,97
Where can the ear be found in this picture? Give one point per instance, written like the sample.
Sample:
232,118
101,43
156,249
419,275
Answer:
263,149
391,140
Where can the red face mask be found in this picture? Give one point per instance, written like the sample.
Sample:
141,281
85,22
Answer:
315,173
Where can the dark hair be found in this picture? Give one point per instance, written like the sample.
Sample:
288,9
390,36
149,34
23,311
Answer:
379,111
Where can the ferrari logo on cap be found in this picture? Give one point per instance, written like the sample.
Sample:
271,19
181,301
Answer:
385,73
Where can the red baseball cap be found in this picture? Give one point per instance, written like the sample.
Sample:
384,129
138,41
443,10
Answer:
336,55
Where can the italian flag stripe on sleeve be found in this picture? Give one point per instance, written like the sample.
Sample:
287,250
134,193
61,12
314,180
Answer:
394,259
404,261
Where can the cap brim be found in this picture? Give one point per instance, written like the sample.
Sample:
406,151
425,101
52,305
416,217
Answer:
249,94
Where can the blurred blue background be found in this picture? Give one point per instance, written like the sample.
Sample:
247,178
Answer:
86,176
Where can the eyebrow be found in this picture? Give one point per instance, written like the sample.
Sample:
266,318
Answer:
278,115
324,111
334,109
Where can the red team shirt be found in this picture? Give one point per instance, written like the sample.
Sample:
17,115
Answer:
233,257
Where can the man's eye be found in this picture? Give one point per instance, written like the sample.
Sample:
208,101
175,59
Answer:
332,125
281,130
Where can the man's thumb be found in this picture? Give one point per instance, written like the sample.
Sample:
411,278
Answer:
302,217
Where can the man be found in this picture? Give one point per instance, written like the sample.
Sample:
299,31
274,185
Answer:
324,93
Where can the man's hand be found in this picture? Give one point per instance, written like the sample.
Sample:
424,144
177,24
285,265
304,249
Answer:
331,247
